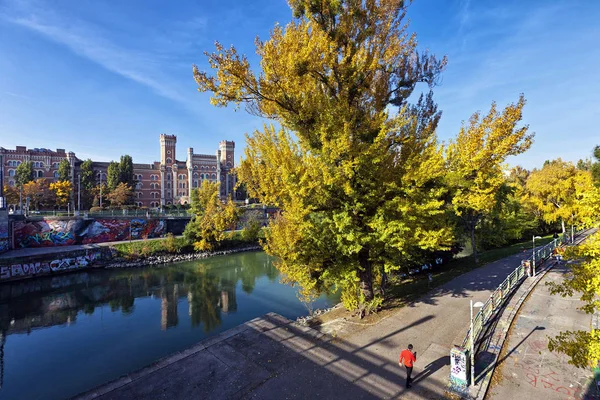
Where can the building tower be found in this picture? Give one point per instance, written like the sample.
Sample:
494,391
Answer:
225,157
168,144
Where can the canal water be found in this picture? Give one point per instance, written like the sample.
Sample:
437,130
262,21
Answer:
66,334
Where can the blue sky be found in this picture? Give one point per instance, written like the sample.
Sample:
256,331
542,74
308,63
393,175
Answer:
104,78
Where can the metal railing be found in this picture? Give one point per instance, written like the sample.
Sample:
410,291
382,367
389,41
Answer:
111,213
505,289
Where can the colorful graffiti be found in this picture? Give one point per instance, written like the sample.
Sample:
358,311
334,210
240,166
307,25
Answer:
44,268
3,238
47,233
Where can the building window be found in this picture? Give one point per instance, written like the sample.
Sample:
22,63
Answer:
11,172
168,151
168,161
138,185
214,176
154,177
11,183
195,175
168,177
195,184
40,174
195,167
139,195
168,185
55,165
56,174
18,163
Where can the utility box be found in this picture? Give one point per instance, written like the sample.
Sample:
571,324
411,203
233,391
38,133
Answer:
460,368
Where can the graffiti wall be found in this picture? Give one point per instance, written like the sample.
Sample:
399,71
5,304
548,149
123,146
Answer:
4,243
26,270
48,233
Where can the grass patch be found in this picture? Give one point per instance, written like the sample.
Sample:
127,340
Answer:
145,248
175,245
402,291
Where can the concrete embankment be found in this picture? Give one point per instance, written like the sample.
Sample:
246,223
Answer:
77,258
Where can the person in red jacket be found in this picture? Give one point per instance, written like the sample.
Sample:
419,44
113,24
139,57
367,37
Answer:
407,358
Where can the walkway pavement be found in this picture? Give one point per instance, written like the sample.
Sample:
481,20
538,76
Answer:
529,369
363,364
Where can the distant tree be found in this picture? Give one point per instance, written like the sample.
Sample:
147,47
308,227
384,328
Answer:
211,217
126,171
476,161
113,178
584,165
552,191
595,168
88,183
64,170
62,192
39,193
24,173
11,194
120,196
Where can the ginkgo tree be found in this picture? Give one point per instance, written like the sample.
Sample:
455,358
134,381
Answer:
561,192
476,161
357,172
211,217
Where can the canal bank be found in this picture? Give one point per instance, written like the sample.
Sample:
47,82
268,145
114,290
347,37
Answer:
76,331
36,262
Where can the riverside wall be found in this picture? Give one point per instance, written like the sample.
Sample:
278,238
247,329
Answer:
68,231
13,269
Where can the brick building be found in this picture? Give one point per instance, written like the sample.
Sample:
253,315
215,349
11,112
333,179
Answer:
164,182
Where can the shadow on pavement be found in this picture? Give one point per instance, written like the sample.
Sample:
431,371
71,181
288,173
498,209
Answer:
472,282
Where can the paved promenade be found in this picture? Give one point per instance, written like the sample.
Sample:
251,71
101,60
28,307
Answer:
529,370
249,364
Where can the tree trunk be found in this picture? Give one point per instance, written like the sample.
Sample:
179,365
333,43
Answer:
473,245
383,281
562,221
365,275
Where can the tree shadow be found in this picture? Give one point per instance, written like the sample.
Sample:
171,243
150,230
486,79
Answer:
431,368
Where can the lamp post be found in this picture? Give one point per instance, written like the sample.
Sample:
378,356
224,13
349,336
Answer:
78,193
100,189
533,258
472,349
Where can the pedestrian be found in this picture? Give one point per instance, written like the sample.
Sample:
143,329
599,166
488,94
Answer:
407,358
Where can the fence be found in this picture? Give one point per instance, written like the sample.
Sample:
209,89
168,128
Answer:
506,288
112,213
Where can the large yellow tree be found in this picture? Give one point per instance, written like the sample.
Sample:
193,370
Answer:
476,161
356,171
561,192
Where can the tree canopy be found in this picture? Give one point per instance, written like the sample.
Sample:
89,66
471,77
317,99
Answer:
24,173
211,217
476,161
358,181
64,170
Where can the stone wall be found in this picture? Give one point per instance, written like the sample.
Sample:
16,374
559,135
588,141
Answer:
51,264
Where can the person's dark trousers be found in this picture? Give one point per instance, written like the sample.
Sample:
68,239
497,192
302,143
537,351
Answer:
408,374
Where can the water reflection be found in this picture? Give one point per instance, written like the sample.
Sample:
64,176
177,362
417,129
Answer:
134,315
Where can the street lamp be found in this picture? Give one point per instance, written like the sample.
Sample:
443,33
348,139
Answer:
78,193
533,258
472,350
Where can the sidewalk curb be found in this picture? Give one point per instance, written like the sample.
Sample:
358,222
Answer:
500,331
